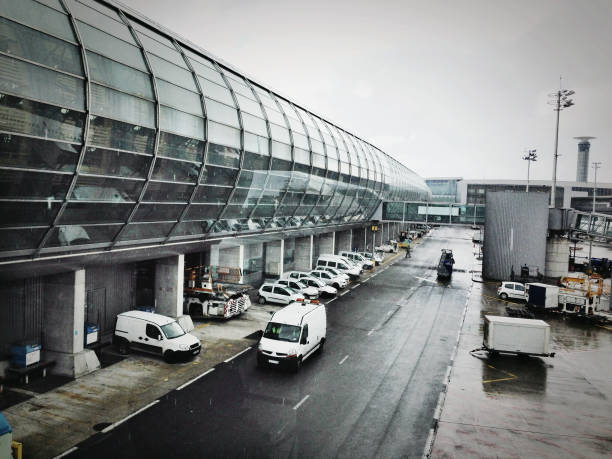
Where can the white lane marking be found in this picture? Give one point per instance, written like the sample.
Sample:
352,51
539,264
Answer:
333,299
438,411
344,293
353,288
118,423
429,443
370,332
365,280
389,313
240,353
301,401
426,280
67,452
343,360
191,381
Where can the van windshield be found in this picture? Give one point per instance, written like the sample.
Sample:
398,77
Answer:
282,332
172,330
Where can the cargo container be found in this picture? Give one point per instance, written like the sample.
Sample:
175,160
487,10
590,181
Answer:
517,336
542,296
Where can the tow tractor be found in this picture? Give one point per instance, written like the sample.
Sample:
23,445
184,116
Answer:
202,298
445,265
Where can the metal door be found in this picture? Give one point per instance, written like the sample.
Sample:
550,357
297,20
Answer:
95,309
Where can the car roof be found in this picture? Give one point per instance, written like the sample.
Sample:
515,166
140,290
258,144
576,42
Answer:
293,313
157,319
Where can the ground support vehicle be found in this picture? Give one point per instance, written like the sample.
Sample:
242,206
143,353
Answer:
580,296
155,334
293,334
223,300
516,336
445,265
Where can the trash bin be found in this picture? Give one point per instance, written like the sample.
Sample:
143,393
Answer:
6,437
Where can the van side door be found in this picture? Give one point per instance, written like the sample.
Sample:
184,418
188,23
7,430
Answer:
152,341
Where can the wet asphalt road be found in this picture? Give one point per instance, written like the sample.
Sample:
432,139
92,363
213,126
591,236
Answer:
372,392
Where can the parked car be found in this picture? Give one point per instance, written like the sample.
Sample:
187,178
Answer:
335,272
327,277
309,292
358,259
334,261
511,290
271,292
293,334
376,257
155,334
311,281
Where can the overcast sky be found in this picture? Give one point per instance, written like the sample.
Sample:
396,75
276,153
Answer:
450,88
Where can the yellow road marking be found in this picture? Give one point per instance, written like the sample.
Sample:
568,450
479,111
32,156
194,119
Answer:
498,380
603,326
511,376
202,326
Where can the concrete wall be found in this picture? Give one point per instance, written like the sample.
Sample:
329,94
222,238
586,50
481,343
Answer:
323,243
169,275
303,253
557,257
515,233
344,241
64,325
273,258
253,264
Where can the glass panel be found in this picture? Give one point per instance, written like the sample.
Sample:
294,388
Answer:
178,97
119,76
106,44
155,47
238,211
17,151
101,21
192,228
251,179
83,212
28,213
158,212
249,105
219,176
223,156
254,124
276,118
172,73
203,211
222,113
175,146
318,161
20,239
106,189
136,231
35,46
181,122
118,105
223,135
207,73
175,171
255,162
245,195
174,192
280,133
281,150
105,132
217,92
301,156
24,185
34,82
238,85
212,194
39,16
101,161
278,182
256,144
264,211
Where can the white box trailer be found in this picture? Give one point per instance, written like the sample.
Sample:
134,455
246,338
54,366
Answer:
517,336
542,296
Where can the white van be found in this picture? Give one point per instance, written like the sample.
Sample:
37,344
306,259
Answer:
293,334
342,265
155,334
358,259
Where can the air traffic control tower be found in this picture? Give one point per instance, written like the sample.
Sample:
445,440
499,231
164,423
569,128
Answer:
582,166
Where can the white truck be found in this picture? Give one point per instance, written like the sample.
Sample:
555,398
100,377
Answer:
544,297
517,336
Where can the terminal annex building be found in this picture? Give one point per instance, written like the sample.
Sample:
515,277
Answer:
128,154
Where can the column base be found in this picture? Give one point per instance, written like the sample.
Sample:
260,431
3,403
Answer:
73,365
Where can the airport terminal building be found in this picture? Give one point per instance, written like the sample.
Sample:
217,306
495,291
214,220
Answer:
128,154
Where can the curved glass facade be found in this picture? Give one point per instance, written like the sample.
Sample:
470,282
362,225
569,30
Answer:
114,133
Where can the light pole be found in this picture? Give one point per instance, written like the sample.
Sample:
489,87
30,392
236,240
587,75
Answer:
529,157
596,165
560,100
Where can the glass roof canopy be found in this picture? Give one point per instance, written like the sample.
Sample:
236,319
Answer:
114,133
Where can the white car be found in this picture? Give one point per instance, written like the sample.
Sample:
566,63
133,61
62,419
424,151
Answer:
311,281
511,290
276,293
310,293
387,248
358,259
376,258
327,277
334,272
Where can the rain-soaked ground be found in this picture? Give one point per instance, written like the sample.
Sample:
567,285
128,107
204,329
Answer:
531,406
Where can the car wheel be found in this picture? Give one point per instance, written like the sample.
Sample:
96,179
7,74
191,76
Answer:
196,310
336,285
262,300
169,356
124,347
298,365
504,296
322,345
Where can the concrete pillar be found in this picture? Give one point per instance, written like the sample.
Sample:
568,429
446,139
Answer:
344,241
303,253
169,274
557,257
359,242
273,258
64,319
253,264
323,244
